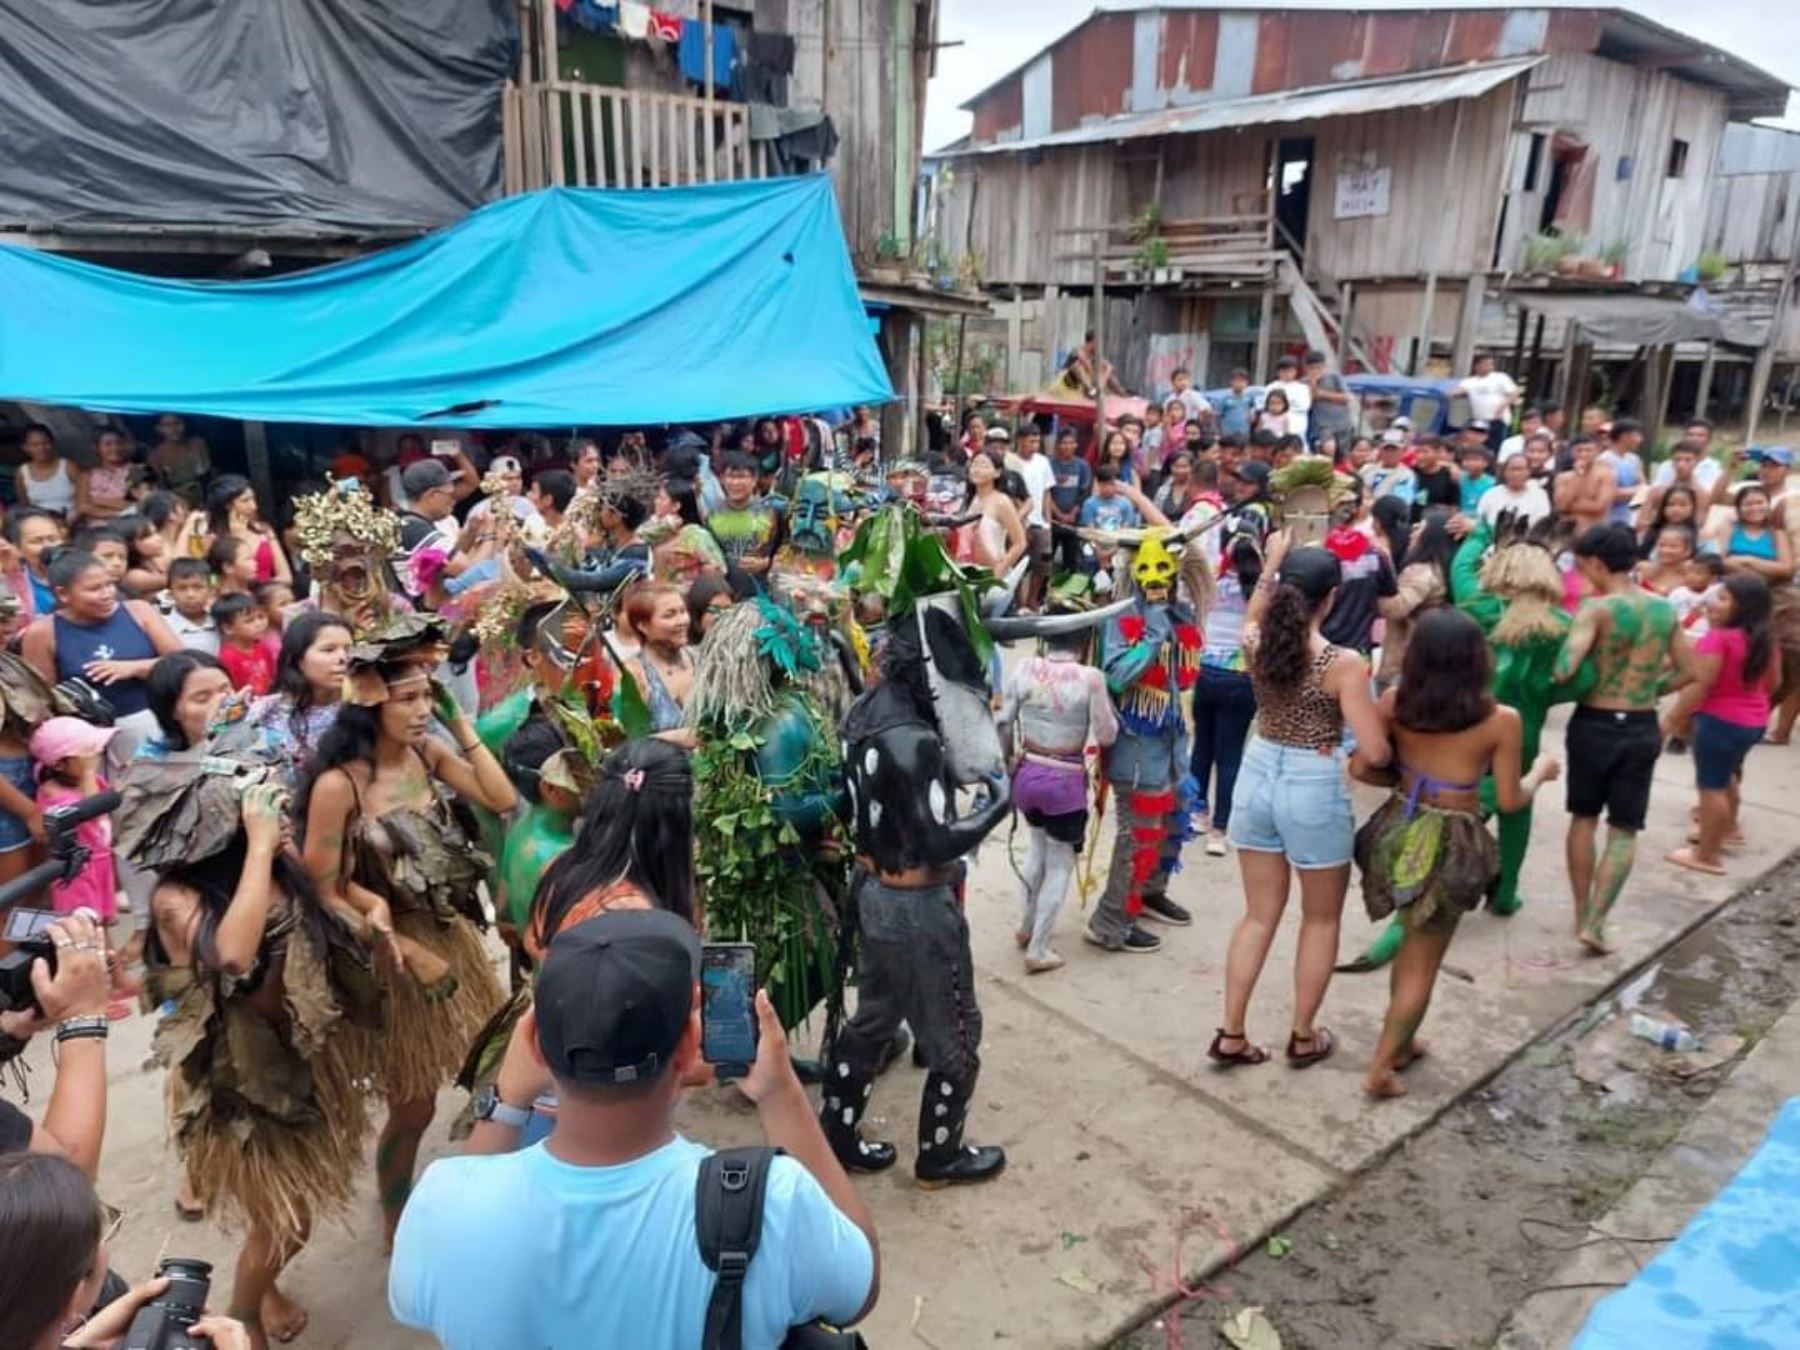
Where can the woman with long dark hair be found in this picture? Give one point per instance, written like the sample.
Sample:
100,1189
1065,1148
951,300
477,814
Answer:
1291,808
262,983
634,848
684,548
1676,504
1737,667
1426,852
1224,695
232,511
294,716
1423,584
53,1264
382,838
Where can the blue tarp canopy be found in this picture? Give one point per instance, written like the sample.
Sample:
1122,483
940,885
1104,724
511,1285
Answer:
573,306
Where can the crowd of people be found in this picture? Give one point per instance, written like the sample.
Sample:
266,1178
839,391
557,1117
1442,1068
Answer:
440,777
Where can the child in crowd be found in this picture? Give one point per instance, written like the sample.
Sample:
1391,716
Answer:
276,598
191,598
67,752
233,563
1691,598
1476,479
107,544
247,649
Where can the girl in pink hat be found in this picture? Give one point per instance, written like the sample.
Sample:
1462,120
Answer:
68,752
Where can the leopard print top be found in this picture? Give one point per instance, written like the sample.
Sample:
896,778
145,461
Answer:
1306,716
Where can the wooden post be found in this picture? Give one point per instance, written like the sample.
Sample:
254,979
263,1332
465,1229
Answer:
1265,332
1346,307
256,455
1704,396
1665,384
1518,357
1535,381
1765,356
1565,373
706,17
1468,325
1099,340
1450,178
962,333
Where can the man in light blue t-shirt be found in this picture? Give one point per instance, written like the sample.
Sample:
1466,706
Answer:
587,1239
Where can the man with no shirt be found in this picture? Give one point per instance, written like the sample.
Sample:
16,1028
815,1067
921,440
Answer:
1638,653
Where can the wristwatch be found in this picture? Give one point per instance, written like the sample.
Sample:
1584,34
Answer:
488,1106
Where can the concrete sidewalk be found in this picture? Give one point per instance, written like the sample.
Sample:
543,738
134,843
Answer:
1678,1185
1132,1160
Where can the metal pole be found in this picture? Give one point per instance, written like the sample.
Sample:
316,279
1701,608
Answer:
706,17
1422,353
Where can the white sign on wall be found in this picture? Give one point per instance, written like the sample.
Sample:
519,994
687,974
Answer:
1362,192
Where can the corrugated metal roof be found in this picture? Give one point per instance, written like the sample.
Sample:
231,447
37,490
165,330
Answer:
1296,105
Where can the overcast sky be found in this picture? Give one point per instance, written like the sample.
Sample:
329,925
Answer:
1000,34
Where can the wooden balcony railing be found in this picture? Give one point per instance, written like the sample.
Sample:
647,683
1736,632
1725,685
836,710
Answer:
564,134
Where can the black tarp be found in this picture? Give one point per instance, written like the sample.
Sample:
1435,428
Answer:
276,116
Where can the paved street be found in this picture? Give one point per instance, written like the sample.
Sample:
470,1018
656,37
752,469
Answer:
1129,1155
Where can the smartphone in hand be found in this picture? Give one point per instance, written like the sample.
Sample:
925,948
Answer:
728,1007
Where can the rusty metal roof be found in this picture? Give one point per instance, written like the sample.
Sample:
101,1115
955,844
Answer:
1293,105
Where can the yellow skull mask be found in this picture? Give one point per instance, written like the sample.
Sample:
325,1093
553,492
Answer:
1154,566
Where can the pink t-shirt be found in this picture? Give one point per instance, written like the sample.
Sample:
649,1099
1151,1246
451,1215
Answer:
1730,699
96,884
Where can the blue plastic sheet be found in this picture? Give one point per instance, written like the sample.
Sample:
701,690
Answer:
1731,1281
559,308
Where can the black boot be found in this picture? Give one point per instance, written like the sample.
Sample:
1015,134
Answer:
944,1160
844,1098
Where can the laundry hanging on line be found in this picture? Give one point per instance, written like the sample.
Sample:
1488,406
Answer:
691,54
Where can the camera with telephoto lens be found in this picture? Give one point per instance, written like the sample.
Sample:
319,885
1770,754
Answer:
163,1322
25,927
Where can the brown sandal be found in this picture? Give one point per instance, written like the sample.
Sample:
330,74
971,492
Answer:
1230,1059
1322,1045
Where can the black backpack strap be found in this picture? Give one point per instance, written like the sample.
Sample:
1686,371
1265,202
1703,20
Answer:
728,1216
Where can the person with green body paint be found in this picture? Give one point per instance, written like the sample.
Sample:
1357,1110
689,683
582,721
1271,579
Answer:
1639,653
1515,593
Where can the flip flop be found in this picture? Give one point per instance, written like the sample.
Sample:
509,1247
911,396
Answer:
1686,857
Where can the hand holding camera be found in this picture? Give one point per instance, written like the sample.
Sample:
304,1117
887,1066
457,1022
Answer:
54,975
166,1313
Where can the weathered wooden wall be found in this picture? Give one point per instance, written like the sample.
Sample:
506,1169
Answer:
1019,206
1441,210
1753,202
1628,117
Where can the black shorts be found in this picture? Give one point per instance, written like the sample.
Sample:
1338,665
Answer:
1069,827
1611,760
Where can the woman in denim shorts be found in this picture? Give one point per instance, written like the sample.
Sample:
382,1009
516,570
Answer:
1291,809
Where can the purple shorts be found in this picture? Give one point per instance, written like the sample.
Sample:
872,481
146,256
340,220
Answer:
1053,798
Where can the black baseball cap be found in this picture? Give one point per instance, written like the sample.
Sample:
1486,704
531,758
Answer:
615,996
419,478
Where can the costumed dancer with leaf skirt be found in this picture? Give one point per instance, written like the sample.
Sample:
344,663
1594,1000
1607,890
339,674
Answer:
384,835
769,799
265,981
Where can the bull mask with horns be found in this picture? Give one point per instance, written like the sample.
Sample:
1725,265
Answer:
928,727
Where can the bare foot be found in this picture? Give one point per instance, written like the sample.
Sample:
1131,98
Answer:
1692,859
1415,1051
1384,1085
1022,939
282,1318
1595,944
187,1204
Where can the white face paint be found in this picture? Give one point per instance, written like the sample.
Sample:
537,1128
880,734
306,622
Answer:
939,803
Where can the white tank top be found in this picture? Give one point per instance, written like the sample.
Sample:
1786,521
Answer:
56,493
